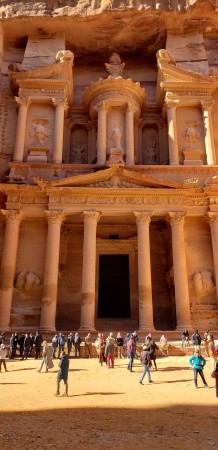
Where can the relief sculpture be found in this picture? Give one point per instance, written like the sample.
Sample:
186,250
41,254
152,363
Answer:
150,146
78,153
203,283
39,134
191,135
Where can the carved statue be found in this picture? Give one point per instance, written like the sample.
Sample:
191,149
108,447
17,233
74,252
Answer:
116,136
150,146
203,283
78,153
115,67
27,281
39,133
64,55
165,56
191,134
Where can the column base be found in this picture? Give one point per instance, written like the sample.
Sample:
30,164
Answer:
4,328
184,327
87,329
47,329
146,329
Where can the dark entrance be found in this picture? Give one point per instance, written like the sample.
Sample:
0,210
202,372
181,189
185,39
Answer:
113,286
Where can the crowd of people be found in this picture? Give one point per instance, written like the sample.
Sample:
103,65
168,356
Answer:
106,348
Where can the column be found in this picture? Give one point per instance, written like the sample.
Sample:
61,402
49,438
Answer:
87,322
49,295
89,128
136,142
208,132
144,271
60,106
102,135
8,263
212,219
130,136
176,220
21,129
140,141
172,132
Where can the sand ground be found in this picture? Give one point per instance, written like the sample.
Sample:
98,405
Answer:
107,408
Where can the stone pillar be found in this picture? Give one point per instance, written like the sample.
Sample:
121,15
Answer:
102,135
89,127
208,132
87,322
172,132
144,272
212,219
60,106
49,295
140,141
136,142
21,129
8,264
130,136
176,220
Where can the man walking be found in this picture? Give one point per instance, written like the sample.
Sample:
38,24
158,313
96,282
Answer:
130,352
146,362
63,374
198,362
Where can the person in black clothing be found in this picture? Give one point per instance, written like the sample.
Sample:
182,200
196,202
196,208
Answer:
27,345
11,346
69,343
119,342
21,344
38,339
196,338
185,338
152,347
16,343
32,344
63,374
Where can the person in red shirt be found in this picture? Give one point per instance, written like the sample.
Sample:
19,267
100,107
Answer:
130,352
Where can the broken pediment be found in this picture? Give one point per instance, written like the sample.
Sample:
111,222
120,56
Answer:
115,177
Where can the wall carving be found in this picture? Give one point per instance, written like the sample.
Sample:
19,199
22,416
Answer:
27,281
191,134
115,66
150,146
116,136
39,134
78,153
203,283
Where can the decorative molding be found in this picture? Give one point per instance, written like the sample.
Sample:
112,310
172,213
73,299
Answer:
143,217
176,217
55,216
91,216
12,216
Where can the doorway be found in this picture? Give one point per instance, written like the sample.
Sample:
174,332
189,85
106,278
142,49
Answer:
113,287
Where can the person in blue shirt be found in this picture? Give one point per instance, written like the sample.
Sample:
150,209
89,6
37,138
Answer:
198,362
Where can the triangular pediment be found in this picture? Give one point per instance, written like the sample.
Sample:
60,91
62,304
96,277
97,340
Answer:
114,177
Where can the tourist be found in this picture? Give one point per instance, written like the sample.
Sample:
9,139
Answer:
76,343
26,346
32,344
46,358
163,345
196,339
131,353
61,344
146,362
38,339
111,338
148,339
109,352
2,338
212,351
119,343
206,334
69,343
126,339
198,362
63,374
135,337
185,338
3,354
54,345
16,343
100,348
88,345
152,347
11,348
215,375
21,344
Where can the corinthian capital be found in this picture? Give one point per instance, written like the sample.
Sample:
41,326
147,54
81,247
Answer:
12,215
211,218
176,217
171,104
54,216
207,104
91,216
22,101
143,217
60,102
